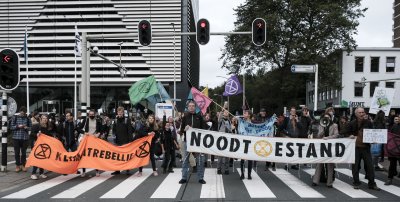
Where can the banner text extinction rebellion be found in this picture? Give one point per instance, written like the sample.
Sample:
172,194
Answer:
284,150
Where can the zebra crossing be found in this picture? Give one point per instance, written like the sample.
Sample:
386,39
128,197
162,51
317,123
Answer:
278,185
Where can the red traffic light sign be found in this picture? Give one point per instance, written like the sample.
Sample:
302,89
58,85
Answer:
144,33
259,32
203,31
9,69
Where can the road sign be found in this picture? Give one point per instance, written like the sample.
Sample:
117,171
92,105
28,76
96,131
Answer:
11,106
303,68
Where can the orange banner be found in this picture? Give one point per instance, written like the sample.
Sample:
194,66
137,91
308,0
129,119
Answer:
49,154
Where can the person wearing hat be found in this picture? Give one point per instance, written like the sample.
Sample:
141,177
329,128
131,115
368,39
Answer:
20,126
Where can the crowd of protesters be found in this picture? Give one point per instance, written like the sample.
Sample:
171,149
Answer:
170,138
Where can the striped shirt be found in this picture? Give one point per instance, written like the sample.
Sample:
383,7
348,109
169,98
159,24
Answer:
20,133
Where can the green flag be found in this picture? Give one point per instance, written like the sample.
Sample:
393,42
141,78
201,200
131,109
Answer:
142,89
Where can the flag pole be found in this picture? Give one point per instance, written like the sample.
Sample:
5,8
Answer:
221,107
27,68
75,100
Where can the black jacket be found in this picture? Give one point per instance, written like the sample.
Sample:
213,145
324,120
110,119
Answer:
69,132
192,120
305,126
84,128
123,130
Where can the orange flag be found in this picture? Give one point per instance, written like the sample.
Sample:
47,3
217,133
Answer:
49,154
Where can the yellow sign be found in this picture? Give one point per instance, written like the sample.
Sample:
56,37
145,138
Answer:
263,148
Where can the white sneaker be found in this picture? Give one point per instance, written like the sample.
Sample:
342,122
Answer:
155,173
139,174
83,174
43,176
97,174
34,177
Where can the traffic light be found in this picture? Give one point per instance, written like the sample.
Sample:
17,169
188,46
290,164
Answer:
9,69
259,32
203,31
144,30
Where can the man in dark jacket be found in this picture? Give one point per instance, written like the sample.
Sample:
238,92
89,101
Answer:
191,120
123,130
69,132
355,130
305,122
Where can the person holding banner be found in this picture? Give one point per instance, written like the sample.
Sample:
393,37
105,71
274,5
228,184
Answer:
191,120
328,131
362,152
379,123
393,158
168,144
45,128
151,127
246,117
92,126
225,126
123,130
292,128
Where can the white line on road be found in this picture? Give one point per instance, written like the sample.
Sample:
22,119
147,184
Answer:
124,188
169,188
345,188
30,191
10,162
256,187
389,188
214,188
83,187
301,189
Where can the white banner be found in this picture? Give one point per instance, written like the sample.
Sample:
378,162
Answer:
375,136
382,100
282,150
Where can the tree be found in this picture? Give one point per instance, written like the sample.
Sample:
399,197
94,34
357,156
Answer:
298,32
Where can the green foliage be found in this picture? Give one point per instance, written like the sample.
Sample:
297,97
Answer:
298,32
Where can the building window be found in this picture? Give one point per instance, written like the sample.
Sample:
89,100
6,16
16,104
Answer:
389,84
336,93
390,63
374,64
324,95
358,89
359,64
372,86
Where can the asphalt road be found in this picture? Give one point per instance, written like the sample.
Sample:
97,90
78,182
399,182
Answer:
279,185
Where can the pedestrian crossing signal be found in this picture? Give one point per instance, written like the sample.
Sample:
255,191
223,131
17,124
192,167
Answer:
203,31
259,32
9,69
144,30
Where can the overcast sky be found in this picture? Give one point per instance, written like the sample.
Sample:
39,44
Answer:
375,30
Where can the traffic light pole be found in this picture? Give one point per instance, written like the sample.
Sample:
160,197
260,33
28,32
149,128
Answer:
4,133
83,89
155,34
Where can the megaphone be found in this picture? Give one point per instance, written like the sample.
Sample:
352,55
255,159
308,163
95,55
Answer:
324,122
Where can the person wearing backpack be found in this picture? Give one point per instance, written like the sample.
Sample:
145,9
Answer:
225,126
20,126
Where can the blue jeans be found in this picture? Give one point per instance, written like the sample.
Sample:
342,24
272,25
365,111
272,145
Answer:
185,165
